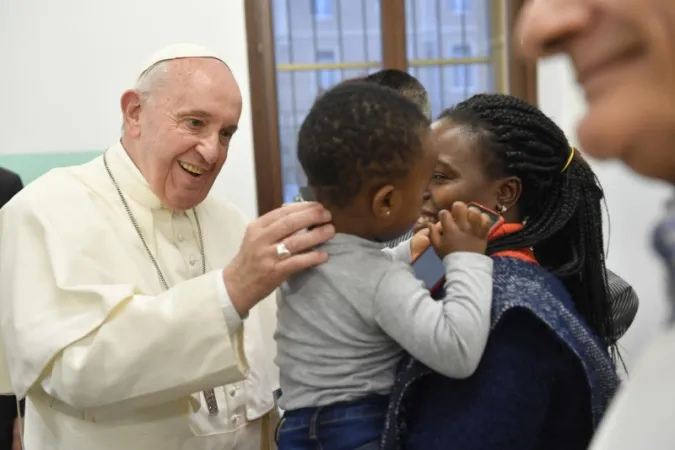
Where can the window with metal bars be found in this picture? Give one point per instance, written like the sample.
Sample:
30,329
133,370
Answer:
455,48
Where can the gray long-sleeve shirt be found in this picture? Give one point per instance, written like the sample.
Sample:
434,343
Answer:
343,326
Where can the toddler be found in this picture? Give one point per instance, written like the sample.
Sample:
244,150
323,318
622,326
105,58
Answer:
343,326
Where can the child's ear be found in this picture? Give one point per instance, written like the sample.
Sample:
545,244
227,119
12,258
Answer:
385,201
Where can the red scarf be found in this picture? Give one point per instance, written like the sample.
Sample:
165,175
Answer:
524,254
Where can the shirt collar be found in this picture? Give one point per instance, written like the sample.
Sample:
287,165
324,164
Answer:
130,180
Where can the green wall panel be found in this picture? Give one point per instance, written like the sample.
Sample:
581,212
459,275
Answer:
29,166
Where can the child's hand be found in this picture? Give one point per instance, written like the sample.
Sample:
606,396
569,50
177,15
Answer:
419,243
463,230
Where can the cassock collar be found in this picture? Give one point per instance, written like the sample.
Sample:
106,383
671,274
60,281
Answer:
130,180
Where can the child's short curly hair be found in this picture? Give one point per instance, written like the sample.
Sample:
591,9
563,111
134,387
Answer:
355,132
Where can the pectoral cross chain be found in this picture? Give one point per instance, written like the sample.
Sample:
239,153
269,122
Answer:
209,394
211,403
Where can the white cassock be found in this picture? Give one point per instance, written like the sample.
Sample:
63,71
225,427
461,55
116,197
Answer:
107,359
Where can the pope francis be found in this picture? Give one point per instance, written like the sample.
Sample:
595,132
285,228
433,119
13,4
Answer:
129,297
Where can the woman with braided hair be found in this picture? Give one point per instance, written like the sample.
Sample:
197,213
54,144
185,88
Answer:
546,376
623,298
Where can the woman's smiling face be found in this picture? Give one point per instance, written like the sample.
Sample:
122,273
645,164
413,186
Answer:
459,174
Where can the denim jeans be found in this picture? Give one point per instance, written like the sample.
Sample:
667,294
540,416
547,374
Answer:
353,425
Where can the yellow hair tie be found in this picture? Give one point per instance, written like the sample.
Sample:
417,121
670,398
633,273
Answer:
569,159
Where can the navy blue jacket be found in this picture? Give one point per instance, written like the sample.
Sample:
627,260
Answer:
543,384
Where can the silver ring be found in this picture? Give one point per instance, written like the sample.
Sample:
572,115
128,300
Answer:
282,251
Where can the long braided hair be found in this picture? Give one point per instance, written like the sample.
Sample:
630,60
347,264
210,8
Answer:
560,202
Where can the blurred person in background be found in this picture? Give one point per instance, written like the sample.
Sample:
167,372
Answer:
10,423
623,52
10,185
406,85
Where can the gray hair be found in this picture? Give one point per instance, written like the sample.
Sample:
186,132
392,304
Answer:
149,80
153,77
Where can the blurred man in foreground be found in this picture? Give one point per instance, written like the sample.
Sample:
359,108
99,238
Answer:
623,52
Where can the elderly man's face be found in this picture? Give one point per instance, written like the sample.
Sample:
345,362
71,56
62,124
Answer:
623,52
181,133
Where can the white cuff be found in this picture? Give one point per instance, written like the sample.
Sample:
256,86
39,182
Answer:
466,260
402,252
232,318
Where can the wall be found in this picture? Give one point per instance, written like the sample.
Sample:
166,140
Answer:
634,206
66,63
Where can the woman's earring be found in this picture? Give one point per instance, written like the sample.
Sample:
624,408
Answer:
501,209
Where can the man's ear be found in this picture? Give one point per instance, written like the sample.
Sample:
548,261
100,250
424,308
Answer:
131,111
385,201
509,191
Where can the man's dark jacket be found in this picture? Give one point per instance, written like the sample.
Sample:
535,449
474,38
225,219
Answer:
10,185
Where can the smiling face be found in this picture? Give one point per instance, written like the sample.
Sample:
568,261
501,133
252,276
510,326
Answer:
178,134
624,54
459,175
